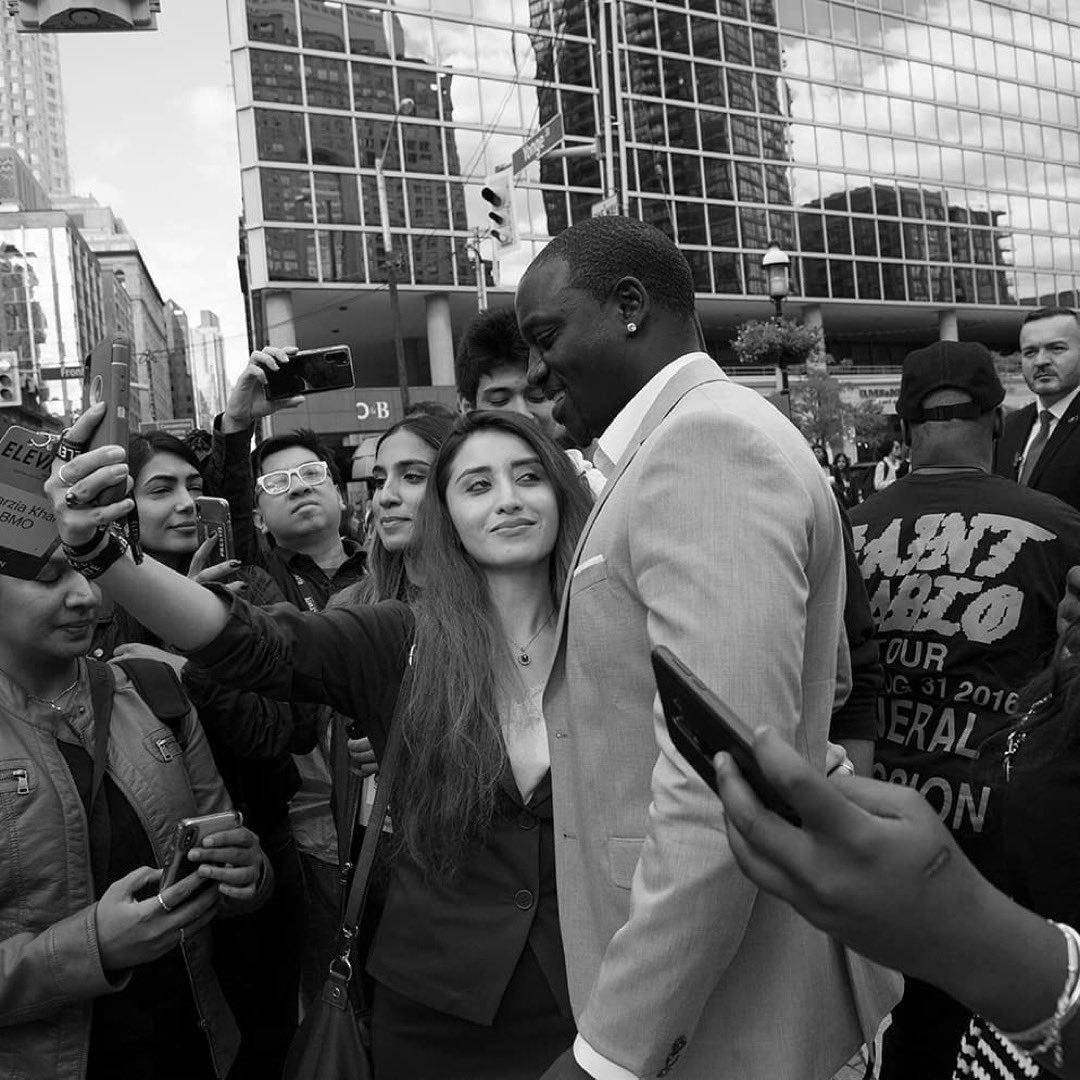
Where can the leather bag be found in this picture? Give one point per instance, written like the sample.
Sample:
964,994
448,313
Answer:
334,1040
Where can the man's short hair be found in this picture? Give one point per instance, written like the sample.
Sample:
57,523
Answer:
306,439
491,341
601,251
1050,313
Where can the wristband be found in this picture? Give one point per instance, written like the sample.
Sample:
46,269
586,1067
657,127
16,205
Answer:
84,551
96,565
1045,1037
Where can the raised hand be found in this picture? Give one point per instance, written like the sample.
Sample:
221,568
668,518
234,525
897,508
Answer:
247,400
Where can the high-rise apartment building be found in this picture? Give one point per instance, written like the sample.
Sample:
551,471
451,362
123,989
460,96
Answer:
178,334
119,256
918,159
207,353
32,104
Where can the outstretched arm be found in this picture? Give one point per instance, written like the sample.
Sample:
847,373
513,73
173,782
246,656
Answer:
873,866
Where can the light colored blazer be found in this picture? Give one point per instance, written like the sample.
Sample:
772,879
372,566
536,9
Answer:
718,537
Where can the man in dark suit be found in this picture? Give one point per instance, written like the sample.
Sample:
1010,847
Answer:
1040,446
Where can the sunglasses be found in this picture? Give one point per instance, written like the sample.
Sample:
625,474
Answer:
280,481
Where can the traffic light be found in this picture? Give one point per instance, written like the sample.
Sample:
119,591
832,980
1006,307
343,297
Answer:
10,382
52,16
498,190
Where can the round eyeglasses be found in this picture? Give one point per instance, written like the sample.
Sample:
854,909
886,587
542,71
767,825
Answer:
280,481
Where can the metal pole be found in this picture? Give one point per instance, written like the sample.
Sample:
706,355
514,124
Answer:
619,187
392,277
608,161
478,261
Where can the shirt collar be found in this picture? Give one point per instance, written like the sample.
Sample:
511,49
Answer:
1059,408
290,557
616,437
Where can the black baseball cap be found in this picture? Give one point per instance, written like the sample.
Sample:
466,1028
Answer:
954,365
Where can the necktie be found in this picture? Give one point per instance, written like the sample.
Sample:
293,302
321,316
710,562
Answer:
1037,446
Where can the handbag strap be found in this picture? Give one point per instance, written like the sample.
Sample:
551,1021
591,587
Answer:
365,863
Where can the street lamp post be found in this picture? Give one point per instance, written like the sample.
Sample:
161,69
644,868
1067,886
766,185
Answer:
776,263
404,108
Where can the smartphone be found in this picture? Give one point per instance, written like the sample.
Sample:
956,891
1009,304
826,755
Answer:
212,518
701,726
312,371
108,379
190,833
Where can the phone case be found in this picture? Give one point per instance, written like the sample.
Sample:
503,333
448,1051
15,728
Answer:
190,833
701,726
213,518
312,371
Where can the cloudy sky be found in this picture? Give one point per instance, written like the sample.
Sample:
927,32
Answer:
151,132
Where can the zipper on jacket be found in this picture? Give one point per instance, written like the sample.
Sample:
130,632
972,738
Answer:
17,780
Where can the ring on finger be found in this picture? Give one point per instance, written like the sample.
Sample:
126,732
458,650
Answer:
70,498
164,907
847,766
63,479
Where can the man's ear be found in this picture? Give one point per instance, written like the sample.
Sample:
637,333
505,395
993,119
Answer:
464,406
633,300
259,521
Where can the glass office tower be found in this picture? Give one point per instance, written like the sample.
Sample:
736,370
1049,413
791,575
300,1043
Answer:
919,159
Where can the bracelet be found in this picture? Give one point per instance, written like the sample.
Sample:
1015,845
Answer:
1045,1037
83,551
93,567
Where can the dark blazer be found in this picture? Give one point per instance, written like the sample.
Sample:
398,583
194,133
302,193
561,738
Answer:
1057,472
451,945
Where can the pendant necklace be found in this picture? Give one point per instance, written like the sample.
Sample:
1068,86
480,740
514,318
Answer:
52,703
522,651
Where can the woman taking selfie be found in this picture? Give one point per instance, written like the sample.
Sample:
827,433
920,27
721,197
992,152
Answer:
92,785
468,958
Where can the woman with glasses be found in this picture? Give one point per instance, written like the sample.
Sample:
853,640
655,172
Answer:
468,959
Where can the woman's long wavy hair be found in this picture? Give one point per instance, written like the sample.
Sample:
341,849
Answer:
453,752
386,577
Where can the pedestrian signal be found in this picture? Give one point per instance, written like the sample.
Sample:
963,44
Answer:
10,384
498,190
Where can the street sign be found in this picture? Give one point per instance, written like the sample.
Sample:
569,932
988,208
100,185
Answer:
547,138
179,428
606,207
68,371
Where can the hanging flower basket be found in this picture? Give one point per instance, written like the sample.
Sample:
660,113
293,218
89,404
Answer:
778,342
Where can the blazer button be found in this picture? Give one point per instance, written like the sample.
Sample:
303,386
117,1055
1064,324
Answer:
526,821
523,899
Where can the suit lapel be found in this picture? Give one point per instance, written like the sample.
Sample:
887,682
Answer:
1011,447
1063,431
686,379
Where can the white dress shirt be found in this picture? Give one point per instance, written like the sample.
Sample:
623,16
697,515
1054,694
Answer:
1057,411
614,443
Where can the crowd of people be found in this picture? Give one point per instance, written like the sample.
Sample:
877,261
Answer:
559,893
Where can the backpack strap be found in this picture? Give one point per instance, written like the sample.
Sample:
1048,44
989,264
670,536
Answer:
159,686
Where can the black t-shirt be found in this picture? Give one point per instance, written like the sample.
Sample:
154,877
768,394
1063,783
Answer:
150,1029
964,572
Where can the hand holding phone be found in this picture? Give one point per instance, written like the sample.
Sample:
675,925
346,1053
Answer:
701,726
213,519
311,371
188,835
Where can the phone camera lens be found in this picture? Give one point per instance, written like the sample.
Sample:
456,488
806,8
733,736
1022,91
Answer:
189,839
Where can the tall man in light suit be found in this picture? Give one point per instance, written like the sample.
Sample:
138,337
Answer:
717,536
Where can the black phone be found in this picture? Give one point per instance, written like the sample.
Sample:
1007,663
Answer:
190,833
312,371
212,518
108,379
701,726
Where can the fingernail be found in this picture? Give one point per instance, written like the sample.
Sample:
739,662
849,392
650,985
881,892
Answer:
234,562
722,761
115,453
762,730
208,842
